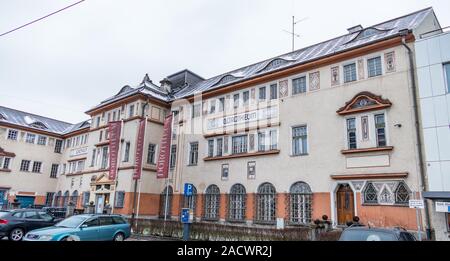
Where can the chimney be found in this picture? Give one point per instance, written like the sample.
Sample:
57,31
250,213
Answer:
166,85
354,29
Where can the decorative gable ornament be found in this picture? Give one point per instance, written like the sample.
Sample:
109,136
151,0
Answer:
283,88
364,101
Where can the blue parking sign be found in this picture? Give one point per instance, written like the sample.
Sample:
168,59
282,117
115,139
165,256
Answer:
188,187
185,215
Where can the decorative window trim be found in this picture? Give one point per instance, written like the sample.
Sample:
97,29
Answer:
375,102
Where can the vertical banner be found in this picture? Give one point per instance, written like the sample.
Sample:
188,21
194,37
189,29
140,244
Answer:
162,169
114,141
139,150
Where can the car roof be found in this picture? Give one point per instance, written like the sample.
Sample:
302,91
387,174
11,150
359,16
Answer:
387,230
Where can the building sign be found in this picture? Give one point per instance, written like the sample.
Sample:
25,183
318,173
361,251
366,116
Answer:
78,152
114,128
251,116
443,207
416,203
162,168
188,189
139,150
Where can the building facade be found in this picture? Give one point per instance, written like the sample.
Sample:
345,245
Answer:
433,72
325,130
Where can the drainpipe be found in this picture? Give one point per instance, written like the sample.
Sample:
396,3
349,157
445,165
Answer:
417,126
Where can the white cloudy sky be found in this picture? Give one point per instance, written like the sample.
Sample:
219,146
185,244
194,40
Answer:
69,62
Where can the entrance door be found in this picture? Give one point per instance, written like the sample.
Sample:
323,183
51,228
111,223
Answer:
100,199
345,204
25,201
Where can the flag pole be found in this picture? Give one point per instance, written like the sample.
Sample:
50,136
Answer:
142,164
167,179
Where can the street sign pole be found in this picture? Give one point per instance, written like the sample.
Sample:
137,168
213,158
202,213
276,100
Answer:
417,204
419,233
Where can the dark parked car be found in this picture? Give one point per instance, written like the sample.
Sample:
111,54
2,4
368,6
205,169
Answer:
14,224
362,233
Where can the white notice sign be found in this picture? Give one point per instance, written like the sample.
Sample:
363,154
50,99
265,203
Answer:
442,206
416,203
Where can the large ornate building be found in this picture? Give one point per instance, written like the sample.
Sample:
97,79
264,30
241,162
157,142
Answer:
325,130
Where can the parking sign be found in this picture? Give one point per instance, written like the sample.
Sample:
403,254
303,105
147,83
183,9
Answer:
188,187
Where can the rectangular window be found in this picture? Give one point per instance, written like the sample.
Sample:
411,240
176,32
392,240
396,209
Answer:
80,165
195,110
262,93
42,140
210,148
54,171
131,111
12,135
6,163
351,133
299,141
350,72
100,136
25,165
236,100
273,139
239,144
261,141
374,66
246,97
221,104
108,119
212,106
86,196
219,148
193,154
37,167
63,171
104,157
447,76
93,158
120,199
30,138
126,156
151,155
173,156
224,172
380,130
114,116
49,199
299,85
58,146
273,91
98,122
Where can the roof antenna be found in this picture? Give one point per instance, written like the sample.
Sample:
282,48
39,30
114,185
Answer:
293,30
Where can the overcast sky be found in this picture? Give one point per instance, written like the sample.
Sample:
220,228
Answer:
63,65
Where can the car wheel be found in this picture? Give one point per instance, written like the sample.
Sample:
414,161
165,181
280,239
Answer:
16,234
119,237
70,238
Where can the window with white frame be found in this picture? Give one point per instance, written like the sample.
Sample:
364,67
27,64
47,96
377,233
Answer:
193,154
6,163
173,156
12,134
350,72
351,133
266,203
300,207
211,148
237,203
239,144
131,111
151,154
299,140
30,138
299,85
104,157
221,104
42,140
80,165
245,98
236,100
219,147
25,165
374,66
37,165
54,171
273,91
196,110
126,156
212,106
58,146
380,129
93,158
273,134
261,141
262,93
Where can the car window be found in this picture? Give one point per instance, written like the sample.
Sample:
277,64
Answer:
404,236
30,215
72,222
91,222
3,214
105,221
45,216
118,220
367,235
17,214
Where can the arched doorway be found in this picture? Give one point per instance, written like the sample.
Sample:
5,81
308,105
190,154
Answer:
345,204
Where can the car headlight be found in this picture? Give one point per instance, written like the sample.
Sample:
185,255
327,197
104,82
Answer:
45,238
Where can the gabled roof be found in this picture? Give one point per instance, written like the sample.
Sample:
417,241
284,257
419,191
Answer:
37,122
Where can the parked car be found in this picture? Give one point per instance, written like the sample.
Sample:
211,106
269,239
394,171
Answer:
85,227
14,224
363,233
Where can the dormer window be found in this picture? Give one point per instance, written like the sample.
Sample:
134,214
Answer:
39,125
274,64
226,79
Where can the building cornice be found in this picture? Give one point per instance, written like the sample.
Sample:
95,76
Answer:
370,176
366,150
243,155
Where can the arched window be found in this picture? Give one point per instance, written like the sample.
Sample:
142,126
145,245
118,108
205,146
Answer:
226,79
237,203
39,125
212,203
65,198
265,203
191,201
273,64
163,203
57,201
402,194
74,197
370,194
300,203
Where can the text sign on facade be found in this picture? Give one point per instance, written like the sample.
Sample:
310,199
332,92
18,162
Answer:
114,140
139,150
78,152
188,188
251,116
443,207
162,169
416,203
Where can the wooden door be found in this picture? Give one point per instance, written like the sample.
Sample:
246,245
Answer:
345,204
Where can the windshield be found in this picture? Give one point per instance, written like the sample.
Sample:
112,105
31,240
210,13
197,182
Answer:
71,222
363,235
3,214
